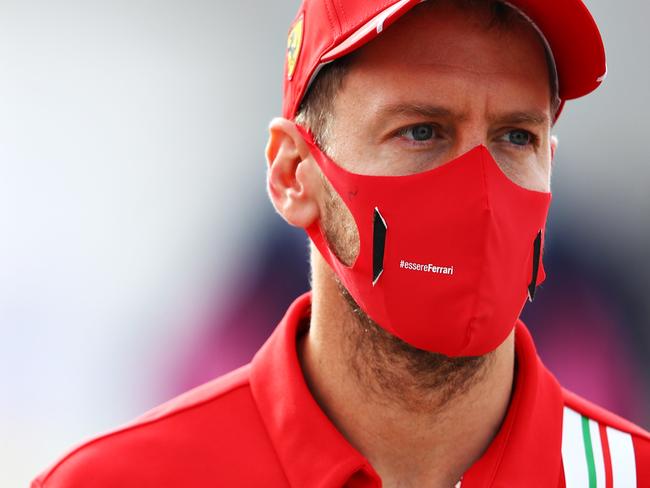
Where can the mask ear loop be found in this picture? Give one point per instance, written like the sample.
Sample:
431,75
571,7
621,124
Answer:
315,231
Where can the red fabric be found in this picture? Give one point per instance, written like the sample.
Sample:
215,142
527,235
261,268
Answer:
259,426
333,28
607,458
313,452
210,435
526,451
486,250
642,454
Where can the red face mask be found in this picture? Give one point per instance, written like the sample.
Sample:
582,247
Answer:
447,257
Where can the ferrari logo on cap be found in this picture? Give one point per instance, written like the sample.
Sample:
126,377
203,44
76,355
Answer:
294,43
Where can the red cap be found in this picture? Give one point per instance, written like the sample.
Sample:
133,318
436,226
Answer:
325,30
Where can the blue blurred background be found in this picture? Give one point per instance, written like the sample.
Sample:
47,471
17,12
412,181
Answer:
139,255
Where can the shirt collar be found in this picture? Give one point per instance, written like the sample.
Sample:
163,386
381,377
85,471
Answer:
527,449
310,448
314,453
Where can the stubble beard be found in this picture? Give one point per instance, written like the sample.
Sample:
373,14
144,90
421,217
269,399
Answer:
387,368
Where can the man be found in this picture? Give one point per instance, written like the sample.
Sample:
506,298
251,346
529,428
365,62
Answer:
416,151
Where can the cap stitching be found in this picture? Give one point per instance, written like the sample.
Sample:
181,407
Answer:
332,18
343,14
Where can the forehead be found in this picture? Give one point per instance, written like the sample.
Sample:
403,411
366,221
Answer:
445,47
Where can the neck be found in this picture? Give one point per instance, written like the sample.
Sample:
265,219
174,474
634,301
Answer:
421,419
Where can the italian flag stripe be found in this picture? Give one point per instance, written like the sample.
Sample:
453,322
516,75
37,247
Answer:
594,455
621,451
589,452
576,472
599,455
609,483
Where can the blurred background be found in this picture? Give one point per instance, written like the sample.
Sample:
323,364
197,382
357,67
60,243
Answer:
139,255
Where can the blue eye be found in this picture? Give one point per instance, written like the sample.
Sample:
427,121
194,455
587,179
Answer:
519,137
420,132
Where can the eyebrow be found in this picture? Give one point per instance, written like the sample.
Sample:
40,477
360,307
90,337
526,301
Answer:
532,117
421,109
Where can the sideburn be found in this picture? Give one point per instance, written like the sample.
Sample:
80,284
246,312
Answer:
338,226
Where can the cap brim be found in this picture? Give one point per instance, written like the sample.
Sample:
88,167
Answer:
575,41
567,25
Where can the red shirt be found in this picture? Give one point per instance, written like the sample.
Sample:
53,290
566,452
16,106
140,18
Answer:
260,426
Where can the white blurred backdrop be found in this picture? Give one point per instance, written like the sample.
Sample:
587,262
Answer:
132,186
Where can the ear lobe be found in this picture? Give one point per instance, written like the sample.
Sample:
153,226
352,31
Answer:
554,143
292,178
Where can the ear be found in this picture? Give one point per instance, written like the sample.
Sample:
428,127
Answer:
293,180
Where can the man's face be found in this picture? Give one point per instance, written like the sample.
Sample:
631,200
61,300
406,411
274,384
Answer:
433,86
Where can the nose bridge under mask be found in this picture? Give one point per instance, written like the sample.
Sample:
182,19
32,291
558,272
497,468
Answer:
529,174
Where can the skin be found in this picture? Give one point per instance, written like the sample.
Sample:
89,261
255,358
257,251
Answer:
430,88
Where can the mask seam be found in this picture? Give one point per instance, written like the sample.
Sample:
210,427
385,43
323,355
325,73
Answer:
470,328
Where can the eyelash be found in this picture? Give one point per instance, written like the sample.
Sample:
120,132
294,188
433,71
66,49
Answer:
532,143
437,131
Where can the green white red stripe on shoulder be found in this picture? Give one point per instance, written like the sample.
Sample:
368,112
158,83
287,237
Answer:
600,449
592,410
